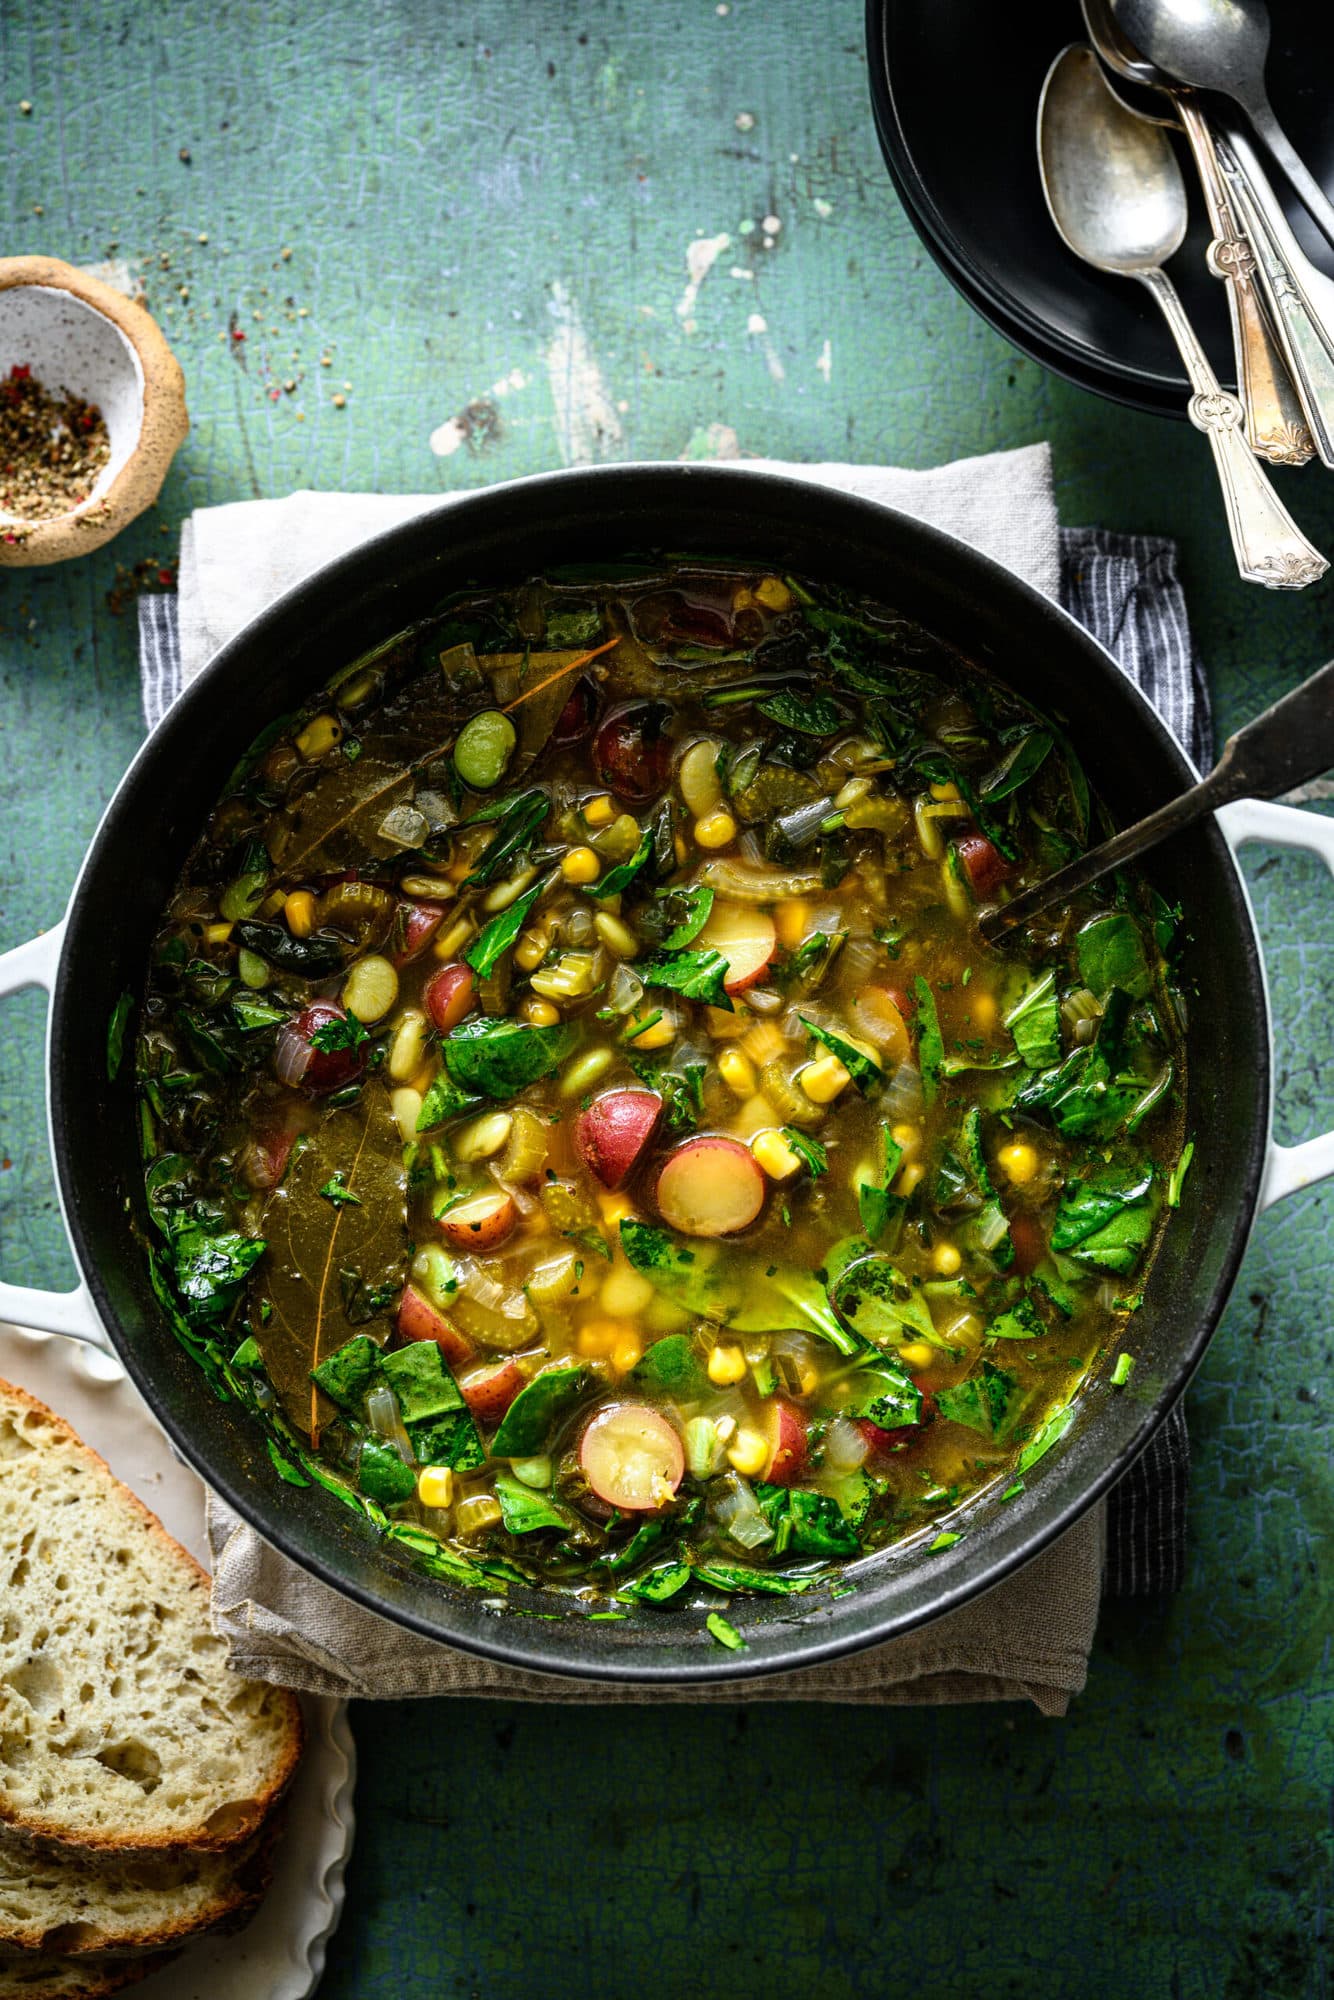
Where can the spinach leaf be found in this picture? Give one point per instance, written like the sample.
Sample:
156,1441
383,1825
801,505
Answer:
885,1395
877,1207
866,1074
1016,768
1017,1322
1106,1221
1044,1437
804,969
382,1474
498,1058
671,1367
872,1295
420,1380
116,1026
451,1440
530,1419
309,958
930,1043
645,1537
252,1011
209,1265
680,1089
1036,1024
743,1294
347,1374
523,1510
517,821
1111,953
443,1100
697,975
987,1401
809,1151
807,714
336,1190
1176,1179
657,1584
726,1635
1087,1096
495,938
617,880
808,1524
695,904
737,1576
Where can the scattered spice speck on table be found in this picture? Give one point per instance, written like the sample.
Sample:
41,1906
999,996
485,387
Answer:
52,448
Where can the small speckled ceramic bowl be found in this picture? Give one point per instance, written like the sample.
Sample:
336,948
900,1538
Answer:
83,338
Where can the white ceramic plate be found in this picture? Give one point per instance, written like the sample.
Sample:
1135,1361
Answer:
280,1954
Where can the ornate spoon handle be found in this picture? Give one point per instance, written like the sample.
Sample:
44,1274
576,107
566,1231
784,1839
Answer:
1269,546
1276,428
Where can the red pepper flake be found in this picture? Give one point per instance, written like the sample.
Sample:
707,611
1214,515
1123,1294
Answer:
237,334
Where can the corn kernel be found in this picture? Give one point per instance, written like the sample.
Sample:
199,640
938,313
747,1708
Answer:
918,1354
1018,1162
720,1023
774,1156
600,811
907,1138
743,598
737,1071
823,1079
531,949
716,829
726,1366
540,1013
318,737
654,1036
405,1109
619,939
408,1046
773,594
762,1043
460,932
597,1338
616,1209
946,1259
944,792
627,1353
983,1010
435,1486
299,913
792,920
580,865
217,933
910,1177
749,1453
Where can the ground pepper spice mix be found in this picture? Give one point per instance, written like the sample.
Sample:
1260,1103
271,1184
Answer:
52,448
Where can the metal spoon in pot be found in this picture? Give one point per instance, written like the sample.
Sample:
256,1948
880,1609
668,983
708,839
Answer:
1117,198
1222,45
1290,743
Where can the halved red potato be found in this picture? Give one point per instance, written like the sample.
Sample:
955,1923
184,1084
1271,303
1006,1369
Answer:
632,751
415,924
614,1131
482,1222
982,862
710,1186
877,1016
785,1427
632,1457
746,938
489,1390
449,995
418,1319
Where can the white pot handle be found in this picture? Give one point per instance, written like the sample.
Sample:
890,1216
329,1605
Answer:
34,964
1287,1168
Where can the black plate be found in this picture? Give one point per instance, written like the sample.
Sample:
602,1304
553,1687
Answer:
955,85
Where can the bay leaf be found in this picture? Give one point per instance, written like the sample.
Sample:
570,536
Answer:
534,714
326,1265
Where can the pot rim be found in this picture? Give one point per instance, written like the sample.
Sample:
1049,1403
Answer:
804,1646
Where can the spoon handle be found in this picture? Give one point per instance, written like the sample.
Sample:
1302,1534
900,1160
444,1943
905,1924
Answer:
1292,741
1284,275
1314,199
1269,546
1276,429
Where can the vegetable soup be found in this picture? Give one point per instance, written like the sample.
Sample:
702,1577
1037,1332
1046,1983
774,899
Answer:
583,1122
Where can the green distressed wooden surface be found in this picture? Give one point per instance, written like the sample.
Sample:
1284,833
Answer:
503,194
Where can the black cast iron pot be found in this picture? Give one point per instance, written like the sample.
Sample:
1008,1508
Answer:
496,537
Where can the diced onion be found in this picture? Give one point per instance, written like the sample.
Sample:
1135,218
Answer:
625,990
845,1447
902,1101
292,1055
992,1228
738,1514
404,827
382,1415
861,957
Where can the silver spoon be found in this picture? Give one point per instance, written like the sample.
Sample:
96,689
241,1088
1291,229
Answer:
1291,742
1118,200
1222,45
1276,428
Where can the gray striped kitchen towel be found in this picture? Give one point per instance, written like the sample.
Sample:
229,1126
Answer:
1125,590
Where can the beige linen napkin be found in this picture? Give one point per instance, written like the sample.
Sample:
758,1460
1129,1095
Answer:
1029,1638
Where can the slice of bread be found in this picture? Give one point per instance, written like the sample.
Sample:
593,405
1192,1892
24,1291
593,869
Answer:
55,1903
42,1977
121,1727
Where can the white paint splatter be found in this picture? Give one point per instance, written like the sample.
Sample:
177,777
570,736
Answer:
587,426
119,274
701,256
771,225
825,364
455,431
745,121
740,271
822,207
757,323
777,373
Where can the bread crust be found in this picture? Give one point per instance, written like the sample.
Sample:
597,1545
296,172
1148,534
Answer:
225,1829
46,1977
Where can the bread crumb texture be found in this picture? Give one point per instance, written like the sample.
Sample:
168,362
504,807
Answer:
120,1724
44,1977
